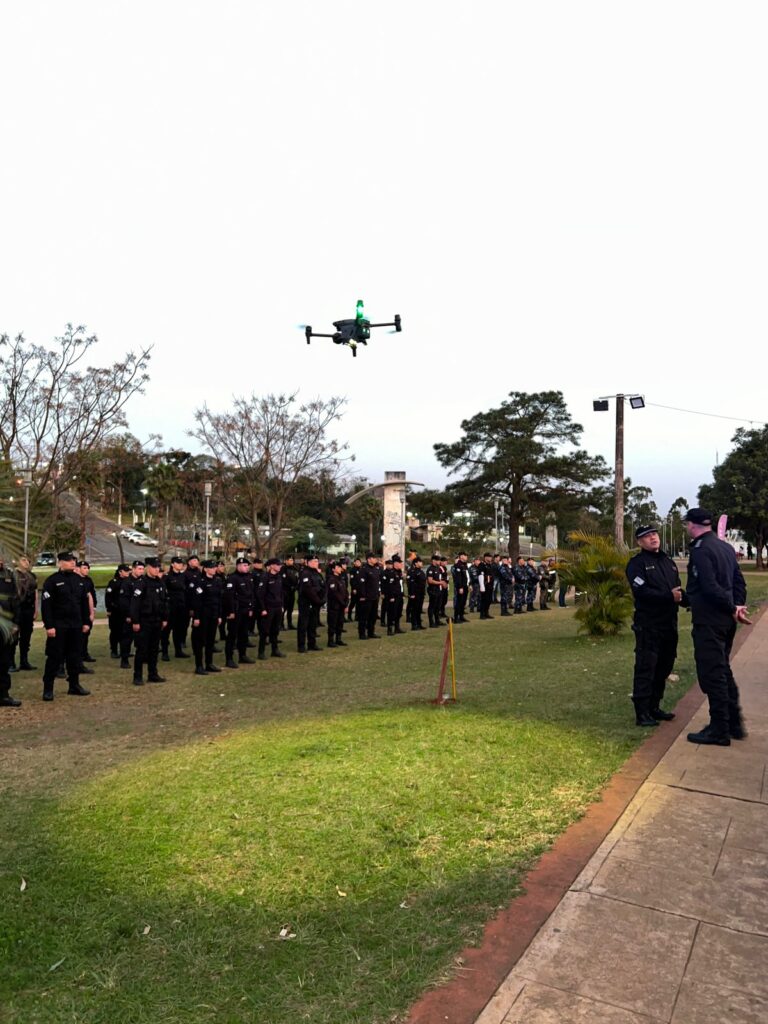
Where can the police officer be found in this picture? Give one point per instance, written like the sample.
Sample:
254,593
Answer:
205,602
125,594
434,592
531,584
26,610
487,578
717,595
221,572
149,617
311,597
238,610
506,584
337,599
66,616
474,584
460,575
84,570
417,588
657,593
354,575
176,585
115,617
290,577
8,635
270,602
520,574
544,586
392,594
368,588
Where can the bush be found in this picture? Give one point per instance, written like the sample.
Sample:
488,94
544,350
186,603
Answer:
596,568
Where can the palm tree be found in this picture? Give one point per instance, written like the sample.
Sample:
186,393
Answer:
595,566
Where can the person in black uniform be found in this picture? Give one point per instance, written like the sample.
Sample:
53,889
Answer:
66,616
487,575
84,570
474,584
8,634
125,593
531,584
311,597
26,611
176,585
238,610
149,617
221,572
520,574
392,594
445,573
354,575
257,575
717,596
368,587
205,602
115,617
506,584
460,574
657,592
290,576
417,588
337,598
434,592
270,601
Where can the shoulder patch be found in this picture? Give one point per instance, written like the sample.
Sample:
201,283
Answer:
199,590
137,593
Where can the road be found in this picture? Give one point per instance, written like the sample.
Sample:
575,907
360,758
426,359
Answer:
101,543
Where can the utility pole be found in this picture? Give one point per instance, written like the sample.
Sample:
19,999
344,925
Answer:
208,488
618,512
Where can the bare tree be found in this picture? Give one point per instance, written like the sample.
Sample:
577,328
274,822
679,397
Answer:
262,447
54,410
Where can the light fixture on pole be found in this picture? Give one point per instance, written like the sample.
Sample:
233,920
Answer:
354,545
601,405
383,542
207,490
26,479
311,538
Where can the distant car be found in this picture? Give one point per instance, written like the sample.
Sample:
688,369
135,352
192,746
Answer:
46,558
141,539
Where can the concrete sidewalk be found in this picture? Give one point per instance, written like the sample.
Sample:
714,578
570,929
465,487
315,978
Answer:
669,919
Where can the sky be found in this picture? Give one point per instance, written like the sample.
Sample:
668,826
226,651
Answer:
566,196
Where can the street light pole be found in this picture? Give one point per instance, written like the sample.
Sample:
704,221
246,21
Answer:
496,522
311,538
601,405
26,479
207,488
402,520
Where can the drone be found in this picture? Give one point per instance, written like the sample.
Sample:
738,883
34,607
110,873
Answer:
353,332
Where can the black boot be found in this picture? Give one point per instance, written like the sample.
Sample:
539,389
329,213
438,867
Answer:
644,718
710,737
9,702
76,690
230,663
180,654
661,715
24,666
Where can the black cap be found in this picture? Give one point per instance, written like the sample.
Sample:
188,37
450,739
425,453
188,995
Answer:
418,559
209,563
273,561
153,561
388,561
397,558
435,558
258,560
196,557
177,561
332,565
66,556
83,562
242,561
123,567
136,562
700,516
643,531
370,554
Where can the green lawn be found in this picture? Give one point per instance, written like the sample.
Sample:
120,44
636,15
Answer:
167,835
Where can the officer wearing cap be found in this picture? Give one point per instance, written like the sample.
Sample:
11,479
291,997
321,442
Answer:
290,577
26,610
474,584
270,601
520,576
434,591
127,586
657,593
66,616
149,617
8,635
487,577
205,602
311,597
238,605
337,598
417,587
176,585
114,615
354,575
368,587
460,574
392,594
717,595
506,583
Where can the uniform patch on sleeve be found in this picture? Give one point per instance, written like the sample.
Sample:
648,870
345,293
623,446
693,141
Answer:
137,593
639,581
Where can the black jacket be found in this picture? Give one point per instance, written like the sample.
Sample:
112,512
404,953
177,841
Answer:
460,573
64,603
205,598
311,588
239,595
417,582
652,576
269,593
149,601
392,583
715,581
369,582
177,585
336,592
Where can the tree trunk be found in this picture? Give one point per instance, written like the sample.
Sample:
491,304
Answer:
83,511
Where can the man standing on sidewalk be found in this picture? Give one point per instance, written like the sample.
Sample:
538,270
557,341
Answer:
717,595
655,584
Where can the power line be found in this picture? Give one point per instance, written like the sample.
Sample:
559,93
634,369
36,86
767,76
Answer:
712,415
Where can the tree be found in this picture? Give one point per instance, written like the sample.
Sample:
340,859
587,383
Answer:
639,507
740,487
596,567
262,448
514,453
54,410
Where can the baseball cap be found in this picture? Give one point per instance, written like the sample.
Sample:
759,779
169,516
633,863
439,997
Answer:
700,516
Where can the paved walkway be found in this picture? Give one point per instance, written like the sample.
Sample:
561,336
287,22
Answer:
669,919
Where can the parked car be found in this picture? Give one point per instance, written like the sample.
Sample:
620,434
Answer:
46,558
141,539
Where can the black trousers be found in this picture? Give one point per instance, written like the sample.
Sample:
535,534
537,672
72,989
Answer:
288,602
64,648
204,640
84,638
474,597
126,639
655,653
176,629
147,642
434,606
335,618
237,635
394,612
353,606
306,631
6,659
115,620
415,610
459,603
712,651
485,602
26,622
269,629
367,616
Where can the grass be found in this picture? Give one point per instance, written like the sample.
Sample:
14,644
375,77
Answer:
168,834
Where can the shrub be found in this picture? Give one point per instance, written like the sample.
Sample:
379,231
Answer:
595,566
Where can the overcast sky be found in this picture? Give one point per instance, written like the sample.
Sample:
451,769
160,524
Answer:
554,195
